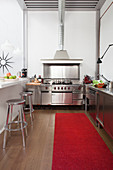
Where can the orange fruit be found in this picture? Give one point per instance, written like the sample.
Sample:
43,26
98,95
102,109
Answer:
8,74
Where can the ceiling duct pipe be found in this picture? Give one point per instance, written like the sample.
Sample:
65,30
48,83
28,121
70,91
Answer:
61,10
61,53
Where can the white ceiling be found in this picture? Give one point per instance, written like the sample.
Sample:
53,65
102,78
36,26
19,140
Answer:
75,5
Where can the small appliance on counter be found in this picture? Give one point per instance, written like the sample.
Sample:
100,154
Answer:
24,73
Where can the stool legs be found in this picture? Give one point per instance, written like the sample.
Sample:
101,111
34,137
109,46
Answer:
28,95
11,112
30,104
24,120
22,127
8,124
32,108
5,133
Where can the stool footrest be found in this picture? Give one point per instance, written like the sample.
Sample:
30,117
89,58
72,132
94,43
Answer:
27,109
15,122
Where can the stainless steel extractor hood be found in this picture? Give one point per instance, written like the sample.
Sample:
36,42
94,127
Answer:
61,54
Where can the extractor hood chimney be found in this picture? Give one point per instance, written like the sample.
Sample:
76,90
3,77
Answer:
61,53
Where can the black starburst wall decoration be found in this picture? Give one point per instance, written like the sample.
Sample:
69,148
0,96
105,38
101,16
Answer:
4,62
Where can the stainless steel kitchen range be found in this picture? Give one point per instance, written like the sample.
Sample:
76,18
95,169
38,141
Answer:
61,94
57,87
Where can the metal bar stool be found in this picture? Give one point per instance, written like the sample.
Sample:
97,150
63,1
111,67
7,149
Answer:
30,108
22,121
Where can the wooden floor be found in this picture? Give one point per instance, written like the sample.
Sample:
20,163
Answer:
39,143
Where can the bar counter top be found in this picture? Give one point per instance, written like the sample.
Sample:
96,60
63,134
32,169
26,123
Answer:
12,82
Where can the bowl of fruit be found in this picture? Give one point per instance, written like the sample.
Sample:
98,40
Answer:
10,77
99,84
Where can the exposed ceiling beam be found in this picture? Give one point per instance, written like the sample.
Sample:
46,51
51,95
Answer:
87,5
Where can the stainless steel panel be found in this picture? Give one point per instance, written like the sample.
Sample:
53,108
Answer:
45,87
92,109
67,98
46,71
71,71
57,98
100,108
77,96
78,88
91,99
86,89
61,98
91,102
61,71
77,102
56,71
108,114
46,98
90,96
36,97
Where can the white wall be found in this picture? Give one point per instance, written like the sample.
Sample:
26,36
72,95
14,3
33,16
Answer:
80,39
106,38
11,28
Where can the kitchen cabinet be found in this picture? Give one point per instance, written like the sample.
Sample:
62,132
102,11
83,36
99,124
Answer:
108,114
46,98
36,97
78,98
99,104
91,102
77,95
105,112
100,108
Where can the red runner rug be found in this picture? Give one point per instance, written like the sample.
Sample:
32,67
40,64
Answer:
78,146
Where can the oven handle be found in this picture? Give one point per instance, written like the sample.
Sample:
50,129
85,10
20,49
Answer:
61,92
45,91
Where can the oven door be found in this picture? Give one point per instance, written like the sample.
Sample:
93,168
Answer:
67,98
61,97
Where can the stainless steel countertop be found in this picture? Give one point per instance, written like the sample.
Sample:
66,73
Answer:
103,90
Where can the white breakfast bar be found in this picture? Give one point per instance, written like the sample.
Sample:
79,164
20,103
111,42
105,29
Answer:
9,90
